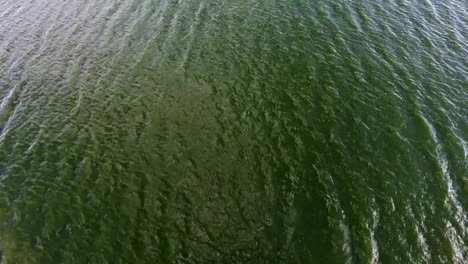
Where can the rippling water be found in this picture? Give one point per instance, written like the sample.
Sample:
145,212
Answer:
171,131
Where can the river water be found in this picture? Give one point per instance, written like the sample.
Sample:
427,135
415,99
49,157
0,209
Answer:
203,131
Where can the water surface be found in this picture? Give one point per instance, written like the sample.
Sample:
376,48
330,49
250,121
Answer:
202,131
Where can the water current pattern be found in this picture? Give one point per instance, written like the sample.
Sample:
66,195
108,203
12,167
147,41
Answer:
233,131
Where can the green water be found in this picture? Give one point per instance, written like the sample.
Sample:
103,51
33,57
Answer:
241,131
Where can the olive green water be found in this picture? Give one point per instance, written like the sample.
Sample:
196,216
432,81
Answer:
203,131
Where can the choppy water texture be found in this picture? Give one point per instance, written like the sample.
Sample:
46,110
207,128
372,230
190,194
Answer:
203,131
